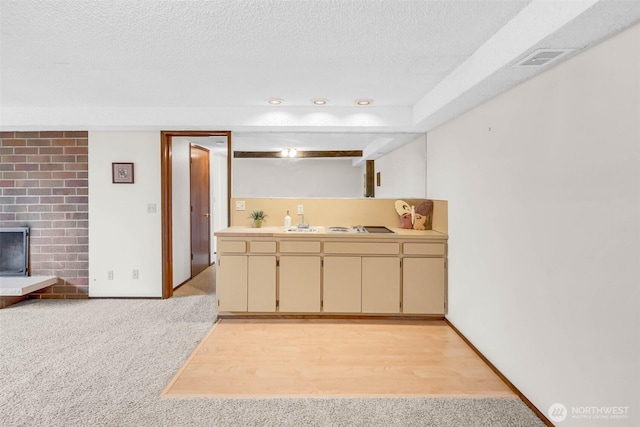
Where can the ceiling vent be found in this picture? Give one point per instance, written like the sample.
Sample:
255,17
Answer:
541,57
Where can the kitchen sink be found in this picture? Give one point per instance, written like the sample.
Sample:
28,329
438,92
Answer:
340,230
303,230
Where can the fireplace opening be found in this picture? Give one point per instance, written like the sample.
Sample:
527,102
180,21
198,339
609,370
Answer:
14,251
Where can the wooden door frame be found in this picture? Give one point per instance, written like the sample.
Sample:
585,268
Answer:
167,193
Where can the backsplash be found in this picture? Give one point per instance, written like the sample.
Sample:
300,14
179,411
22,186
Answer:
333,212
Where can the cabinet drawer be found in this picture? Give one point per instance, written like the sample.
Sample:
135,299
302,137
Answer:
300,247
232,246
262,247
423,248
362,248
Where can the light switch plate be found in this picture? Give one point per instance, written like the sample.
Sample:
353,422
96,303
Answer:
240,205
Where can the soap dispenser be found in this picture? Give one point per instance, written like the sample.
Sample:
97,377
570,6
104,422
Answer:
287,221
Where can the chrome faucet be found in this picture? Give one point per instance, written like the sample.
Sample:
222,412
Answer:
302,224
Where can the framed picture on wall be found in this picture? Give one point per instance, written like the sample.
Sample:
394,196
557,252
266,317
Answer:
122,173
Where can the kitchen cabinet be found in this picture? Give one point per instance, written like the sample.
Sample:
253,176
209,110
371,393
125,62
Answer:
380,285
423,285
261,283
342,284
231,283
246,282
358,280
299,279
319,273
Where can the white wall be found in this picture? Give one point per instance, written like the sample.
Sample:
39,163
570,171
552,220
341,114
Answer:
403,172
296,178
122,235
543,185
181,209
219,210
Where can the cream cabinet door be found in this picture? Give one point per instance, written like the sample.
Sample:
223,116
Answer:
261,293
231,283
423,285
342,284
299,284
380,285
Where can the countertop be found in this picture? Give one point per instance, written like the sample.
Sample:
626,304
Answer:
324,233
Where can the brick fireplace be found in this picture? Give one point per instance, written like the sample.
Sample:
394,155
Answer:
44,186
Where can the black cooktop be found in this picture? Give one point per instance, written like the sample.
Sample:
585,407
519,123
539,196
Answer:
377,229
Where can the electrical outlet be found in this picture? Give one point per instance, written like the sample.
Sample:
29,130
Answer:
135,274
300,209
109,274
152,208
240,205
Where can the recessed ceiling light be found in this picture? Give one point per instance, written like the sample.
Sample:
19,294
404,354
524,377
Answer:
275,101
363,101
319,101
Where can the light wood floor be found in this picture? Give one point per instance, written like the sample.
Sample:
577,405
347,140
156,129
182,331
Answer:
203,284
322,358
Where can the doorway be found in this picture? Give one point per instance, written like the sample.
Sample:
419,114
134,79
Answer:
200,209
172,256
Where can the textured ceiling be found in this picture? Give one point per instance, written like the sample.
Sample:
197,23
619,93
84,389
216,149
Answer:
151,64
221,53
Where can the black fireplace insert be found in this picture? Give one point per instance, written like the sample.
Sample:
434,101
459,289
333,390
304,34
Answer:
14,251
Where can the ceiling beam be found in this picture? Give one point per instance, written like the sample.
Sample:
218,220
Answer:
518,37
300,154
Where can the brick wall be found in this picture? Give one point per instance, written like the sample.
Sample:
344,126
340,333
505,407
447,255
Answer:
44,185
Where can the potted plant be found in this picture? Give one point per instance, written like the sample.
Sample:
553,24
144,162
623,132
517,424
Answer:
258,217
